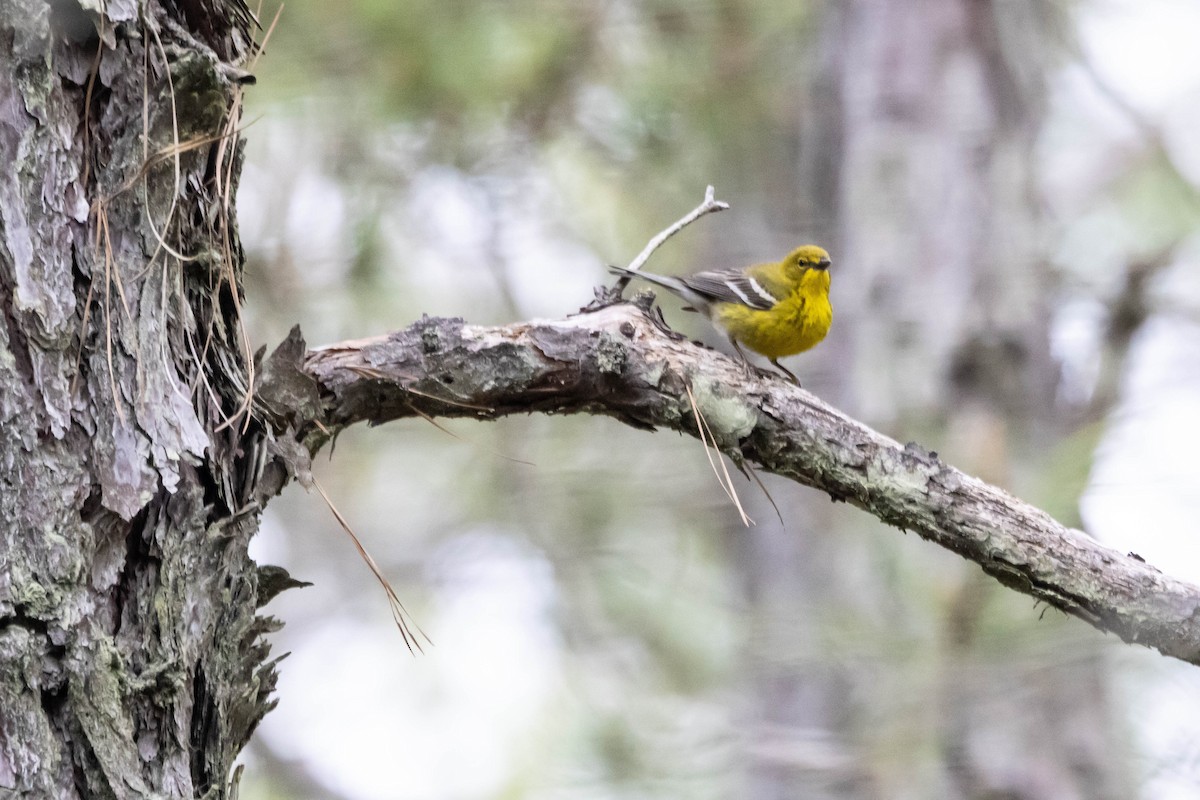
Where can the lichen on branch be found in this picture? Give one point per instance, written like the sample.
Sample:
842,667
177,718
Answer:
618,361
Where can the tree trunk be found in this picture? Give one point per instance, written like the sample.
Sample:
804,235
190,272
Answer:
131,660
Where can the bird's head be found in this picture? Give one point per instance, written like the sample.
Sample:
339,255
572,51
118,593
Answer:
807,257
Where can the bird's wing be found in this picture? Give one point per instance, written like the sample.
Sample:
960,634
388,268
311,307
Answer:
721,286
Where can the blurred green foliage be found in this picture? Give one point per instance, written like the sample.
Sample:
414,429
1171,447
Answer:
633,107
443,145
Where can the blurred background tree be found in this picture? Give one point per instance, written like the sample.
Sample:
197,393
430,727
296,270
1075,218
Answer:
1014,255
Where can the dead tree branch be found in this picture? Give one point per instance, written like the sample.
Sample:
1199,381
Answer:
618,362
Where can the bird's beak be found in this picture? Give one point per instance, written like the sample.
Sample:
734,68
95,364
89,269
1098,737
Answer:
824,263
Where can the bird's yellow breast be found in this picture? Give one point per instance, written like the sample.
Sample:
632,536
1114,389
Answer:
793,325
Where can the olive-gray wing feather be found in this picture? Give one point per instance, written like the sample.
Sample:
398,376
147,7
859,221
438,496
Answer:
719,286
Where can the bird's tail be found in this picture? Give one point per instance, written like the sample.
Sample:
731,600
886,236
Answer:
671,284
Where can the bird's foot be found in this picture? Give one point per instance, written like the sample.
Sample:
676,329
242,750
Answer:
787,372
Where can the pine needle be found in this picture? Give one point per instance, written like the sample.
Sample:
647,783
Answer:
369,372
751,473
400,614
464,440
723,476
449,402
262,46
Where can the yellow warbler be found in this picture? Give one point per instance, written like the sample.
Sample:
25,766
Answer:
776,309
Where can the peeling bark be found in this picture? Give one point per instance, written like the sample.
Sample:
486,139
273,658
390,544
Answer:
131,662
618,362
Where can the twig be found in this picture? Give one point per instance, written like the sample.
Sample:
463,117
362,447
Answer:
708,206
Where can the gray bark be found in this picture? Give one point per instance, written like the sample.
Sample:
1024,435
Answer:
131,660
618,362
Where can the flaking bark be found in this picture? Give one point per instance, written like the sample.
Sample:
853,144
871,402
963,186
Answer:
619,362
131,660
